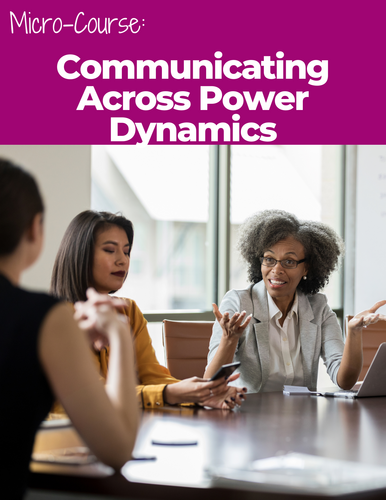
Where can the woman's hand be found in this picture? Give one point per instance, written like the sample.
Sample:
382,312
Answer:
216,394
365,318
232,327
352,359
99,318
234,396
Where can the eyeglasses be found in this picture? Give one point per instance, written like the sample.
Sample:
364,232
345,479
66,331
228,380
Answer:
287,263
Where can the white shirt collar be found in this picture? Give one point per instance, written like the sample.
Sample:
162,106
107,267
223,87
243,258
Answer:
273,310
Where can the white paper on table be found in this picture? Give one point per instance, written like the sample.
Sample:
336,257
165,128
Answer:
302,474
296,389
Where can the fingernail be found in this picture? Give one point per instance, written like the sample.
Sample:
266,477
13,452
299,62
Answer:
233,399
227,402
241,397
244,389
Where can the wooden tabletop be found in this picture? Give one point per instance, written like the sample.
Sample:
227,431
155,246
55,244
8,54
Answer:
267,425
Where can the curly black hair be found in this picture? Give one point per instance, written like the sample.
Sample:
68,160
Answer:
321,244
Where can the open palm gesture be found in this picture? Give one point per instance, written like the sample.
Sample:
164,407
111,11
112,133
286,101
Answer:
232,327
368,317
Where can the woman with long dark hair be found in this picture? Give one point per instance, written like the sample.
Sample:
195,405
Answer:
95,251
44,355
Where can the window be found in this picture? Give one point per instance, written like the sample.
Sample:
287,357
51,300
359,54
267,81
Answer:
165,192
187,202
304,180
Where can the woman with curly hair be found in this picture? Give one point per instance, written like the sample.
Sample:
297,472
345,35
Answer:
280,325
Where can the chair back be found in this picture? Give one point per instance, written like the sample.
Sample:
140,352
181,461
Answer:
372,338
186,345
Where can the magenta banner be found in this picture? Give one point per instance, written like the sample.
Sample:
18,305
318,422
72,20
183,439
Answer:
202,72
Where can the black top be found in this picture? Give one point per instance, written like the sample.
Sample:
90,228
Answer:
26,396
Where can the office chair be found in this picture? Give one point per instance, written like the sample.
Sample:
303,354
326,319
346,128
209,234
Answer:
372,338
186,345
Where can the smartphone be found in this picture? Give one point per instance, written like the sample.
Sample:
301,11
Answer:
226,370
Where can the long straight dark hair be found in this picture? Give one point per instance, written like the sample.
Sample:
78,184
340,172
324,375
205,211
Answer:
20,201
72,272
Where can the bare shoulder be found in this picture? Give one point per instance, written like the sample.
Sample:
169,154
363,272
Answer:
60,314
59,327
62,344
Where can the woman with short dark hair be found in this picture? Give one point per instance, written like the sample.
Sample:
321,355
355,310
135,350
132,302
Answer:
280,325
95,251
43,351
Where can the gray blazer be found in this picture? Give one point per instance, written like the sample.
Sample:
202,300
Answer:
320,335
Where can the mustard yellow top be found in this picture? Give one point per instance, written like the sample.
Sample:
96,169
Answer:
152,376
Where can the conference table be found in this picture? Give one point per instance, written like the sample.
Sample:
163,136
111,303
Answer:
176,447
